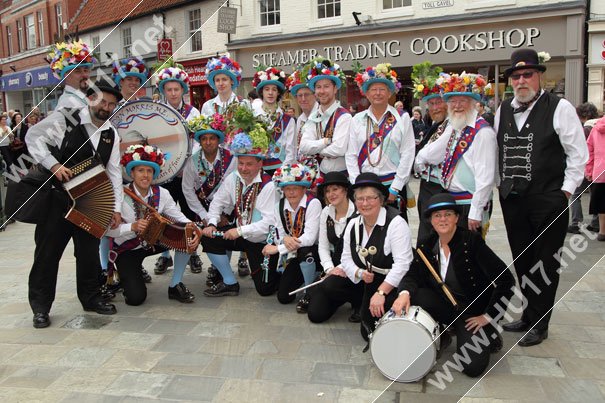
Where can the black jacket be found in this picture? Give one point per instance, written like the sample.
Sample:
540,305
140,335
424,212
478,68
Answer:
477,268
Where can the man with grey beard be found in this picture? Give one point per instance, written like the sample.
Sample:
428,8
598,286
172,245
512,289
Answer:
542,155
467,151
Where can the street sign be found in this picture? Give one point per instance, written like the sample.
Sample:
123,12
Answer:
164,49
227,20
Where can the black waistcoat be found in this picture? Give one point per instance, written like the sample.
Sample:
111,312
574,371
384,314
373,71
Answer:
377,239
76,135
531,161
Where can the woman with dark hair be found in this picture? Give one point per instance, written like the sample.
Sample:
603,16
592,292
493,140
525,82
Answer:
336,289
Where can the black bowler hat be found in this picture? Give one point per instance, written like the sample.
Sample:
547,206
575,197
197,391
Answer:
524,59
105,86
370,179
441,201
333,178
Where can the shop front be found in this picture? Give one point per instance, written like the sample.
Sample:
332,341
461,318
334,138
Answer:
478,46
199,90
24,90
596,64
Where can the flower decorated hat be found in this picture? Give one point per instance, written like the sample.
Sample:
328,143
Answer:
271,75
426,77
296,81
203,124
381,73
175,73
253,144
294,174
321,68
223,65
66,56
467,84
132,67
139,154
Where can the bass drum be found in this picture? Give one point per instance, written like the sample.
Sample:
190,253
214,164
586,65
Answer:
153,123
404,348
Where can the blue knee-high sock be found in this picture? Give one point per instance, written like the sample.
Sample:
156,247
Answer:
104,252
229,253
221,262
166,253
308,272
180,260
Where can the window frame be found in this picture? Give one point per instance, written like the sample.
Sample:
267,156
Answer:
40,23
20,36
30,31
59,18
402,6
195,34
325,6
9,40
264,15
126,47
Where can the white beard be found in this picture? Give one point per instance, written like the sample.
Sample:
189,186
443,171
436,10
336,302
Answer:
530,95
459,122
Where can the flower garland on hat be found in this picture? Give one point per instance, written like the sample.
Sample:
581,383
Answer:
468,84
139,154
203,124
294,174
271,75
321,68
426,79
246,134
65,56
381,73
133,66
223,65
173,74
295,82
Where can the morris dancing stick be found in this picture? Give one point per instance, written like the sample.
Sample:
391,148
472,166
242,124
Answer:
308,286
446,290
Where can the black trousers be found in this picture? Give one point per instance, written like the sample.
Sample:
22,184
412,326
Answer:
525,218
292,276
368,322
220,246
476,347
51,238
327,297
128,264
176,191
427,190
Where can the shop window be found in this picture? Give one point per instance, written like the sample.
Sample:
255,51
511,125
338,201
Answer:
20,36
41,27
31,31
269,12
390,4
328,8
127,41
195,33
59,17
9,40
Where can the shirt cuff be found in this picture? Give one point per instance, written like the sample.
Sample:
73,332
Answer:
568,186
48,162
282,249
475,214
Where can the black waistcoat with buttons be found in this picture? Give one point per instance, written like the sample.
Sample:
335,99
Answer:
377,239
532,160
451,279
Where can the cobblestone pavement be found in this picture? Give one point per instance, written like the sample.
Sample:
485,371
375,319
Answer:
252,349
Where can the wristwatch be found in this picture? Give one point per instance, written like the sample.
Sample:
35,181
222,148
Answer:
380,292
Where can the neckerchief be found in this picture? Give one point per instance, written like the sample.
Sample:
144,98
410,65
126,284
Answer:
523,106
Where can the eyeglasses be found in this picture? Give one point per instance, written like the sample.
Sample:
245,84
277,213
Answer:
366,199
439,216
463,101
526,75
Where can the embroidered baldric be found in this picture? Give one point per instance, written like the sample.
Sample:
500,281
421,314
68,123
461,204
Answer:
376,138
457,147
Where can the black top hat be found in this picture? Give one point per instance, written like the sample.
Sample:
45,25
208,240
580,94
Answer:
370,179
105,86
441,201
524,59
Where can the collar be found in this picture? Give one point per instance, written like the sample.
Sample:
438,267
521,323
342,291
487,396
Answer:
257,178
144,197
382,218
217,99
515,103
71,90
318,116
218,154
378,120
350,211
301,204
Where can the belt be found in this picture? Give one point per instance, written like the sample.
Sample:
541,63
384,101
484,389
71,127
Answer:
380,271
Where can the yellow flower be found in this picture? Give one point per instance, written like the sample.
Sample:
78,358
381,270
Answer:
467,80
420,88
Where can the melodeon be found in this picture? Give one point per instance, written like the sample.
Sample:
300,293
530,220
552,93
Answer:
92,195
162,231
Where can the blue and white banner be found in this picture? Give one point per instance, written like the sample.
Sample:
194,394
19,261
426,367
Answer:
40,77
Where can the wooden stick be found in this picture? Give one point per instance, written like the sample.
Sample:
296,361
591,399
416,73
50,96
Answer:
446,290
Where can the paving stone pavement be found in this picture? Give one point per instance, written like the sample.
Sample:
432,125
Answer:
252,349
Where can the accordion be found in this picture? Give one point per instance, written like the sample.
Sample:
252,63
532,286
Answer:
92,196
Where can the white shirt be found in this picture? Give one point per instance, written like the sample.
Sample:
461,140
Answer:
311,227
51,131
300,123
325,248
167,208
208,109
398,242
71,98
225,199
571,135
396,154
481,158
443,262
192,180
312,142
287,140
193,113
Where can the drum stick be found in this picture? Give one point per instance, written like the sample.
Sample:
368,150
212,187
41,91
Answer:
446,290
308,286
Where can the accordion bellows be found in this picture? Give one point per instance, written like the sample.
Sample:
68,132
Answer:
92,196
161,231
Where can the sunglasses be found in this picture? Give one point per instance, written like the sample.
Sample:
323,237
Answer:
526,75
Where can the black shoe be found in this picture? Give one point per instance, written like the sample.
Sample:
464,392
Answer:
102,308
533,337
106,294
496,344
195,263
303,304
592,228
221,290
116,287
242,267
213,277
41,320
180,293
146,276
516,326
355,316
162,264
573,229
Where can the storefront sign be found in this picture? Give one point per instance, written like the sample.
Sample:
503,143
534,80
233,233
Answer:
196,69
164,48
40,77
437,4
597,49
227,20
